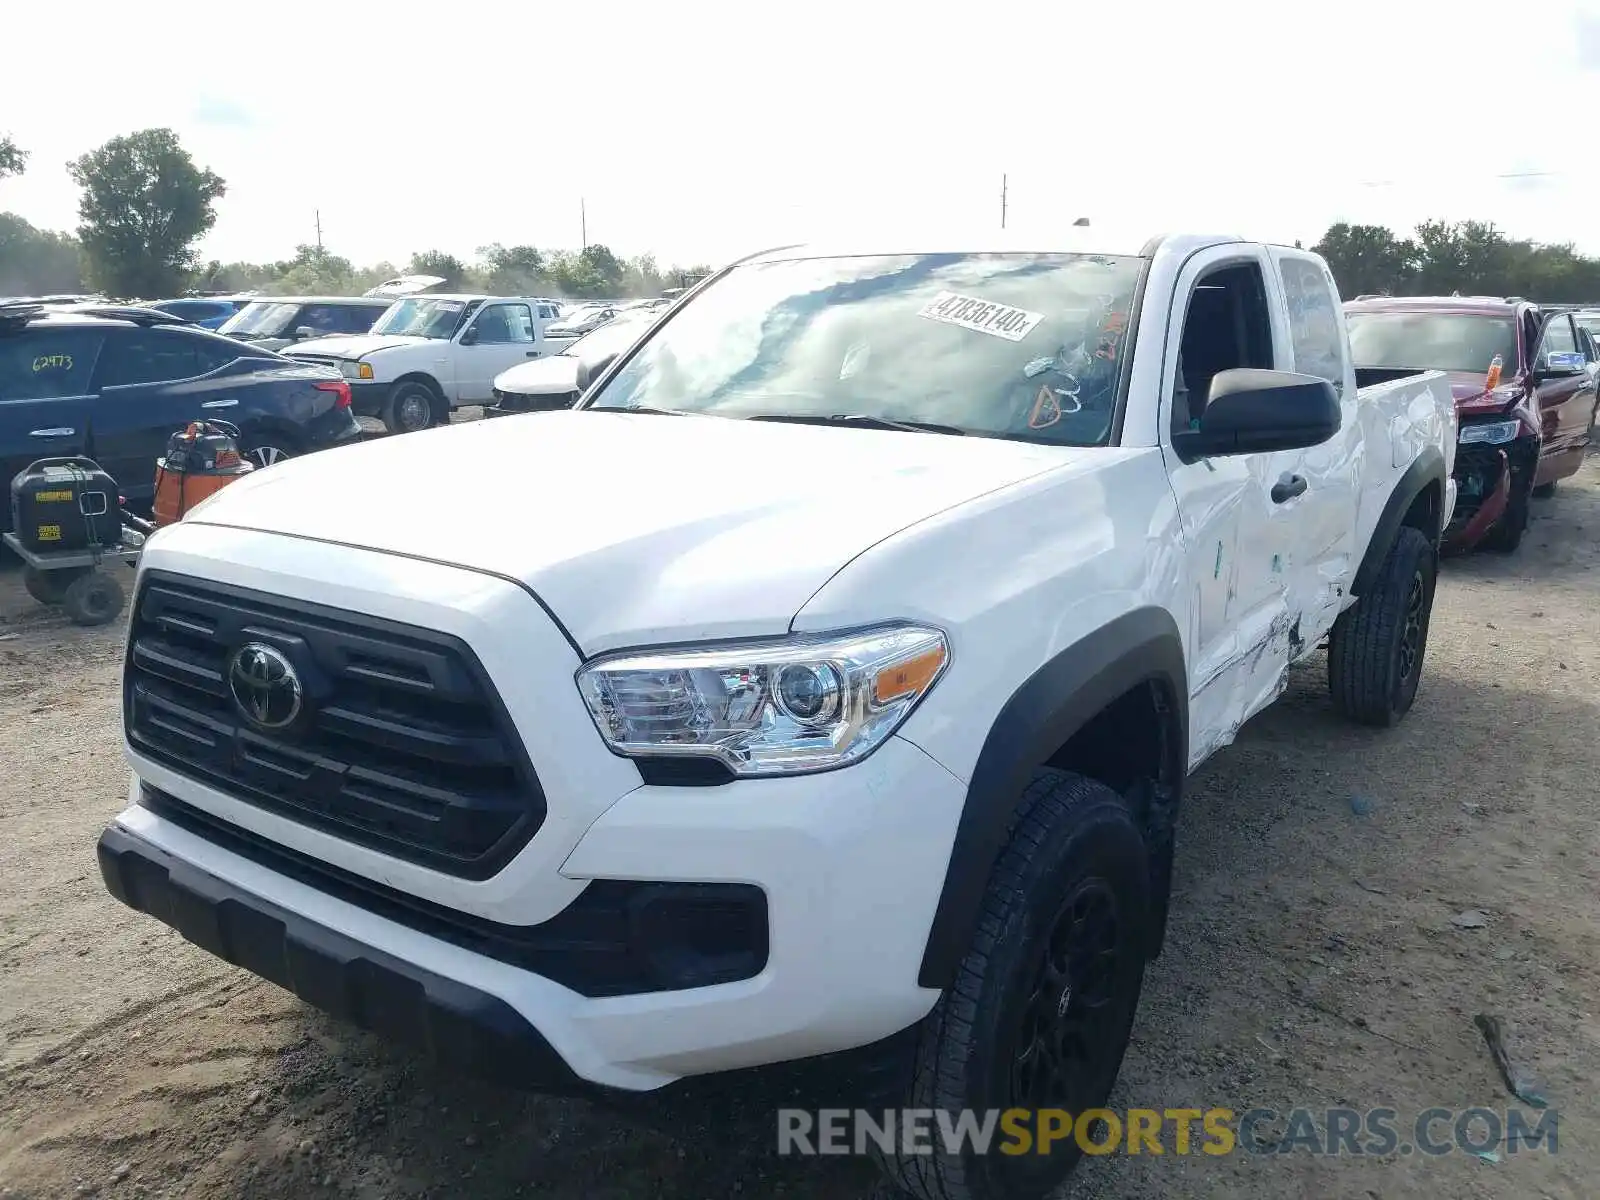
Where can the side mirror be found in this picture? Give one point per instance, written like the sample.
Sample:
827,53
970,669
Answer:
1251,411
1562,365
470,337
304,332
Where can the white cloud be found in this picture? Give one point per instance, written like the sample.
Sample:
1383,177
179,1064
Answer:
703,129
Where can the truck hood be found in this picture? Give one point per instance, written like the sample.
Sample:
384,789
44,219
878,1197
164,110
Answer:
354,347
554,375
635,529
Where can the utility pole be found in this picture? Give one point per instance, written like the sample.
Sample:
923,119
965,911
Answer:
1002,201
319,232
583,221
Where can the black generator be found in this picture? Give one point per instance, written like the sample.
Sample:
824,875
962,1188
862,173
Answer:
65,504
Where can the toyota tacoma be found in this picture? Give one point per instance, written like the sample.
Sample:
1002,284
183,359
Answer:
842,701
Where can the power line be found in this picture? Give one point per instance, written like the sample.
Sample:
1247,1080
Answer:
1500,175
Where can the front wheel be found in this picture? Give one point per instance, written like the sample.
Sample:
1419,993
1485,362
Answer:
1042,1006
1376,649
410,409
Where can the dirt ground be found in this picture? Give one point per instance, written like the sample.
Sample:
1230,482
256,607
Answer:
1312,959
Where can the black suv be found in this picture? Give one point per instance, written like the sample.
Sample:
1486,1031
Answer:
115,383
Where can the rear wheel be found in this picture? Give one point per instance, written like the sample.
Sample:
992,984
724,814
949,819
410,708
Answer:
411,408
1376,649
265,449
1042,1007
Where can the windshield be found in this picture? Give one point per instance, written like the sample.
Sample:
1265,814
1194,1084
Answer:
1024,346
576,316
427,318
263,318
1427,341
611,339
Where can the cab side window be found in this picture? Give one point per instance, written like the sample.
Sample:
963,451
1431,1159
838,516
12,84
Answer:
499,324
1227,325
1313,322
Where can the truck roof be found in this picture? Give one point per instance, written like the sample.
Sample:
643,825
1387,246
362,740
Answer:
1487,305
1071,239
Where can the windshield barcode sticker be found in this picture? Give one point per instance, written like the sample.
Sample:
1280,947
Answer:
981,316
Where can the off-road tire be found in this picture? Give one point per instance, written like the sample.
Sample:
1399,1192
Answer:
93,599
1506,534
403,414
1368,650
1074,837
47,586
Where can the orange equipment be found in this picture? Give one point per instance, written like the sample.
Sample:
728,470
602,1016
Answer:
200,461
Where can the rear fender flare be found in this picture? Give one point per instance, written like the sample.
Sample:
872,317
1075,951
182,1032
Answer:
1428,468
1055,702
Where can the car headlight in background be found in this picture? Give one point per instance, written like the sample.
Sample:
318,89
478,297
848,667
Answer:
804,703
356,370
1493,433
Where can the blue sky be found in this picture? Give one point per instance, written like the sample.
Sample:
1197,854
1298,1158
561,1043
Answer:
701,130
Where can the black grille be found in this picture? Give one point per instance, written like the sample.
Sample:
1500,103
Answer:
402,745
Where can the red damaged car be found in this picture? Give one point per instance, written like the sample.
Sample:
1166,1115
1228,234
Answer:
1523,389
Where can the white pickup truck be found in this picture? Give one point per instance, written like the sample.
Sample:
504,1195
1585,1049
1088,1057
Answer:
429,354
849,709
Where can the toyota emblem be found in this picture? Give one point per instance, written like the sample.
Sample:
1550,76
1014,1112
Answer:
265,686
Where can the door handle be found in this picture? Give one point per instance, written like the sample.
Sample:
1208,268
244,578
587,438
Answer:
52,433
530,354
1288,488
219,404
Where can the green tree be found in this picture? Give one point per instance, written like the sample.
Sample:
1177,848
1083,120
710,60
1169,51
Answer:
13,159
513,270
436,262
144,205
1367,259
37,261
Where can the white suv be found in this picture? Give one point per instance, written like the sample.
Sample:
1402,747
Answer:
827,681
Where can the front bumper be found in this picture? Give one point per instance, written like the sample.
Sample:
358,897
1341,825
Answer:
1489,480
851,863
511,403
454,1022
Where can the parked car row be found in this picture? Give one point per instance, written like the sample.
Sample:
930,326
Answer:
1524,380
81,375
113,383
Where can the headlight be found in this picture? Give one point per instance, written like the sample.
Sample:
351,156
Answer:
356,370
805,703
1492,432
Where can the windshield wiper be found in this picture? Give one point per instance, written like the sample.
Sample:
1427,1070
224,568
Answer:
644,408
862,420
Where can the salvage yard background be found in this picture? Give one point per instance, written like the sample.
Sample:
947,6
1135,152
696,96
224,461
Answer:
1312,958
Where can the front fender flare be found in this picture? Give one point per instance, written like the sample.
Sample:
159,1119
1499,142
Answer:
1428,468
1054,703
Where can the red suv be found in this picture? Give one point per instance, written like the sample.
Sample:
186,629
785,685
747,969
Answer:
1520,433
